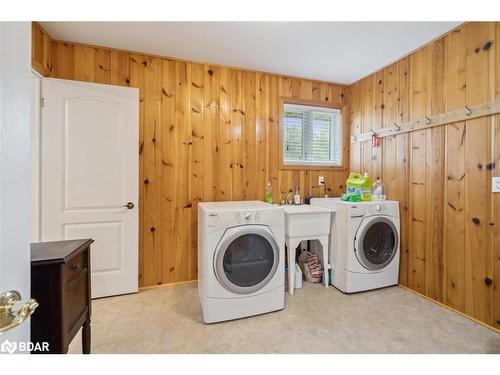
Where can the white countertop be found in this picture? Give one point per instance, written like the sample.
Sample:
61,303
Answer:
305,209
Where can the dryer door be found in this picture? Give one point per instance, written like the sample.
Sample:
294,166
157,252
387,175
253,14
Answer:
246,258
376,242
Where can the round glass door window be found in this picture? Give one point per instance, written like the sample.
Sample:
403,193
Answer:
377,243
247,260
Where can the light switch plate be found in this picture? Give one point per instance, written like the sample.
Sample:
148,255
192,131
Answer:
495,184
321,180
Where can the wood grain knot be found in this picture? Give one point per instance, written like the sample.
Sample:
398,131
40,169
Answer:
479,166
490,166
488,281
477,50
210,72
475,220
326,98
487,46
146,181
382,106
127,81
152,229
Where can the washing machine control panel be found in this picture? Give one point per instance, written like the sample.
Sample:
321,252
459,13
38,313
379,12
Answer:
369,209
247,217
357,211
378,208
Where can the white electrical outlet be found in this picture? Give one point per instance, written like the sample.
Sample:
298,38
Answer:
321,180
495,184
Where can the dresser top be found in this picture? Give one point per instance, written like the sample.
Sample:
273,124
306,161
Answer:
57,251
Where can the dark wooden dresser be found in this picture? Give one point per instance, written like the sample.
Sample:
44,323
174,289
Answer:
60,282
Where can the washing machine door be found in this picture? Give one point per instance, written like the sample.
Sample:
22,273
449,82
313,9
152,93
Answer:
246,258
376,242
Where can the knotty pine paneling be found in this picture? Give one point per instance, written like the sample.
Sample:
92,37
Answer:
207,133
450,247
41,51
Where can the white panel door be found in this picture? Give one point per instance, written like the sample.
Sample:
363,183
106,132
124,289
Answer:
89,174
15,108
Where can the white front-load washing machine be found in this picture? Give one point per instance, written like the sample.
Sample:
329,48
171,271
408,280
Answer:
241,259
364,243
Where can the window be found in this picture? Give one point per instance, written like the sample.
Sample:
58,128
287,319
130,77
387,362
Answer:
311,136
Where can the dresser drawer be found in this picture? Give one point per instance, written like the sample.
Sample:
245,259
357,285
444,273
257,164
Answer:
74,266
76,297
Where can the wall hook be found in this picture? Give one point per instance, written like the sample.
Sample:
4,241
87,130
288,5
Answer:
428,120
468,110
398,128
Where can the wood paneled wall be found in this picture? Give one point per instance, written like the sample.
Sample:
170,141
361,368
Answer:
450,219
207,133
211,133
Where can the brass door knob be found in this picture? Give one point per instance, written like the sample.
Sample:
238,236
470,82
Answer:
129,205
12,311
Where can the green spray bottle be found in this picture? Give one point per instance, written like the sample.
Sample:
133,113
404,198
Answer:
269,193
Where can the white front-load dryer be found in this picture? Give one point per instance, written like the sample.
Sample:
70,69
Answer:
240,259
364,243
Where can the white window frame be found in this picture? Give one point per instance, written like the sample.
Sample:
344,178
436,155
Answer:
317,165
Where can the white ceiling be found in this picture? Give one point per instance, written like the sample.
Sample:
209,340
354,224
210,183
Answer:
340,52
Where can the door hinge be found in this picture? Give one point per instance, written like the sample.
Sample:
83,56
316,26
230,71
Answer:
42,102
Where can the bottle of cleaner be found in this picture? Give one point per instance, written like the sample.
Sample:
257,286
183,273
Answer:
378,190
296,196
269,193
353,188
366,188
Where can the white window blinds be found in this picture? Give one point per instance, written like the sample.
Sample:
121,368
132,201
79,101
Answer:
312,135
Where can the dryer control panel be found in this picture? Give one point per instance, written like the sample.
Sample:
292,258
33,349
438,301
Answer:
357,210
373,208
379,208
247,217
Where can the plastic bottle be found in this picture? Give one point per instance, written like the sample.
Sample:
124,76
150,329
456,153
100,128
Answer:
296,196
269,193
298,277
366,188
378,190
353,188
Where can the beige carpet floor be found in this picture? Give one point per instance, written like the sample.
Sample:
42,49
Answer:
316,320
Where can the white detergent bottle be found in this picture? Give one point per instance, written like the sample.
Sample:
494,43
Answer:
378,190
